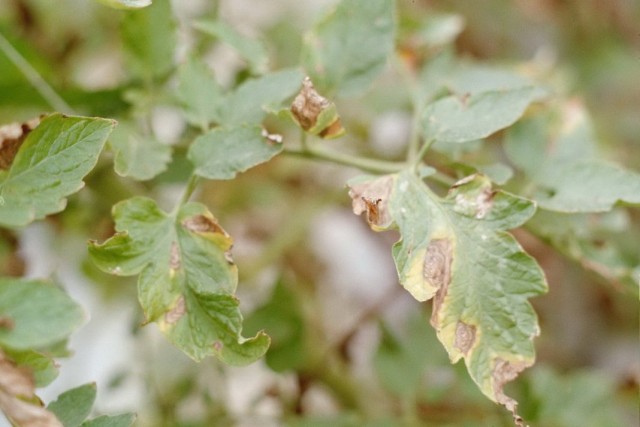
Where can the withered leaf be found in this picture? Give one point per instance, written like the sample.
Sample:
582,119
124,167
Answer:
17,397
315,113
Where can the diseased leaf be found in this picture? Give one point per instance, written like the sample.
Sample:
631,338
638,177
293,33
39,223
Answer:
565,167
455,250
11,138
315,113
126,4
149,39
35,313
42,366
186,277
199,92
252,50
136,156
124,420
347,50
18,400
73,406
250,102
223,152
49,166
470,117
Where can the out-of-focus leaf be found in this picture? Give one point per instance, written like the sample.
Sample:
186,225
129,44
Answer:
563,164
252,50
281,318
124,420
347,50
42,366
250,102
400,363
49,166
199,92
578,399
467,118
17,397
35,314
223,152
187,278
455,250
73,406
126,4
149,39
136,156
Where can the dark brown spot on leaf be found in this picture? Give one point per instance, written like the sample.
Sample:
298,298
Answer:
372,197
174,258
203,224
11,138
437,270
172,316
217,346
465,337
504,372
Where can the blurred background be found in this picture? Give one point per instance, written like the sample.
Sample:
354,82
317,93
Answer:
350,347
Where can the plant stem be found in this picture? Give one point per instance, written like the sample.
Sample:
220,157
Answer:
189,189
54,100
365,164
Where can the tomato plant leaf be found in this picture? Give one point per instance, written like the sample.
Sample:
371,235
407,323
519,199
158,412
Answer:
252,50
73,406
17,397
36,314
223,152
315,113
149,40
136,156
347,50
456,251
251,101
199,92
186,277
565,167
41,365
49,166
470,117
123,420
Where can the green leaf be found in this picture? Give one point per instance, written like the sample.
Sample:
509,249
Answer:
73,406
126,4
467,118
36,314
223,152
250,102
43,367
136,156
455,250
199,92
124,420
565,167
187,278
348,49
282,319
149,40
253,51
49,166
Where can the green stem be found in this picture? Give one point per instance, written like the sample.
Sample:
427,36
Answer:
189,189
420,154
365,164
54,100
